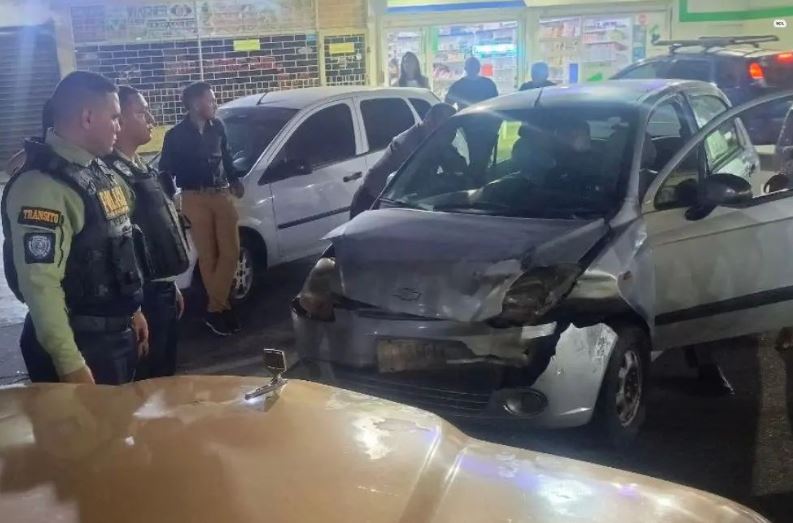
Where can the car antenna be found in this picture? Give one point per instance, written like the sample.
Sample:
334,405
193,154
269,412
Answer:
539,95
275,363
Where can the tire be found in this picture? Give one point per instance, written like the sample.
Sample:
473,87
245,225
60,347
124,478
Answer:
622,403
250,268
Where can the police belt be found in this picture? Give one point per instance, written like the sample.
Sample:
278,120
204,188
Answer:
100,323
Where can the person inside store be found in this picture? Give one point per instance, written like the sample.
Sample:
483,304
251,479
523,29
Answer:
70,253
483,135
471,88
399,150
410,72
539,77
156,216
196,153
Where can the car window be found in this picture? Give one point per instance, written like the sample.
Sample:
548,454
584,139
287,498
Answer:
690,70
422,107
648,70
385,118
729,73
250,130
312,141
723,143
667,132
561,163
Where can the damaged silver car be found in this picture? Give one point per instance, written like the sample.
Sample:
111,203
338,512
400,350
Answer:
527,259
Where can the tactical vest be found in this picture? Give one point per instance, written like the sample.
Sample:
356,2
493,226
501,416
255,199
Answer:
156,216
102,275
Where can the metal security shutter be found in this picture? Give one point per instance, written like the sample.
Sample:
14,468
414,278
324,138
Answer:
28,75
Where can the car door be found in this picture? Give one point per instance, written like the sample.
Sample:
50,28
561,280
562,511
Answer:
383,118
313,177
721,259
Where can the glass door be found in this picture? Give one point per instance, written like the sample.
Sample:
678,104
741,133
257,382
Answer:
399,42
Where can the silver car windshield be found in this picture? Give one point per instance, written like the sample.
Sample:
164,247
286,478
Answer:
251,129
542,162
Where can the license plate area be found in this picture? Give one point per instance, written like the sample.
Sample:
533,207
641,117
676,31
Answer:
407,355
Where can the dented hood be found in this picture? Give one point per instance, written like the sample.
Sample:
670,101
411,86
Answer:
450,266
191,449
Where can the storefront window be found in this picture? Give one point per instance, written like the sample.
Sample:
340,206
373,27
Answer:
593,48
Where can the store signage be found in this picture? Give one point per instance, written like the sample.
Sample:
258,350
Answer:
253,44
715,10
408,6
130,21
341,48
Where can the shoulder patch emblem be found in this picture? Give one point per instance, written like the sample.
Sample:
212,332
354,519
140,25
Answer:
40,217
40,247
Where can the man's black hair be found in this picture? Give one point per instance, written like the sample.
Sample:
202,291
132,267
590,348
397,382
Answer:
76,91
193,91
126,93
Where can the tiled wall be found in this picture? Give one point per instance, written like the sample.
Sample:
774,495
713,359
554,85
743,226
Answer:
347,68
162,70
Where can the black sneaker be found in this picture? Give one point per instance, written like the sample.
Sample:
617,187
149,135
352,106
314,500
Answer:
217,323
232,321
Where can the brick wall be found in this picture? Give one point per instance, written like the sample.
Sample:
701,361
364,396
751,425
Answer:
347,68
162,70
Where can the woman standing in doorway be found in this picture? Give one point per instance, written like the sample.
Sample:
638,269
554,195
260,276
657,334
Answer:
410,72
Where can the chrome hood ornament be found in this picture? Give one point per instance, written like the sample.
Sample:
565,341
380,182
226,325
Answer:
275,363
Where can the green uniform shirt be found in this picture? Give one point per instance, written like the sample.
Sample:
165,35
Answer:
40,278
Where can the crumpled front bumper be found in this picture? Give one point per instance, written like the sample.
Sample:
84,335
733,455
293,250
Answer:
343,353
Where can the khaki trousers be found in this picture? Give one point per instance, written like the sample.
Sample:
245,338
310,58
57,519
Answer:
213,221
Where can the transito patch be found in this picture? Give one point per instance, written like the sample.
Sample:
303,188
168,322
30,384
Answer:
40,217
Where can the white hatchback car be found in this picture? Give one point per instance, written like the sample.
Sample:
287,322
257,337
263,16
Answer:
306,152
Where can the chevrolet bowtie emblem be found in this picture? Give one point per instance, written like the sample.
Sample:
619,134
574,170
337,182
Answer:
406,294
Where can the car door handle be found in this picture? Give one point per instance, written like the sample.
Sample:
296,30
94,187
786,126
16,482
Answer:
354,176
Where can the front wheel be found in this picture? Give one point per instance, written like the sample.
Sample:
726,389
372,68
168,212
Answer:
249,268
622,403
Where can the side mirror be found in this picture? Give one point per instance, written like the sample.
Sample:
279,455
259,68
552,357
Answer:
725,189
241,164
720,189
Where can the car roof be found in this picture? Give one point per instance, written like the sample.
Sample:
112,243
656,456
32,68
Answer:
628,93
302,98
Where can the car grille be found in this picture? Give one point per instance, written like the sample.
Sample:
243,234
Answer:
455,393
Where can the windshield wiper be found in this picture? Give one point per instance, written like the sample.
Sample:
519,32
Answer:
401,203
478,206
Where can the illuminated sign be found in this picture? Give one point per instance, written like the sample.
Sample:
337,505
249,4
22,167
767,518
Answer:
408,6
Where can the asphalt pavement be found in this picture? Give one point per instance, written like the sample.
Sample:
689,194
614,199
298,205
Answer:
740,447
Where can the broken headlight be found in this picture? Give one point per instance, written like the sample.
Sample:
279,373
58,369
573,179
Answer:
537,292
315,300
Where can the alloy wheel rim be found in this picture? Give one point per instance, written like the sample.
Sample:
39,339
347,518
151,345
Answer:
243,279
629,390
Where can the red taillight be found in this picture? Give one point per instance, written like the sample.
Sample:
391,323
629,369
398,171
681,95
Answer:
785,58
756,71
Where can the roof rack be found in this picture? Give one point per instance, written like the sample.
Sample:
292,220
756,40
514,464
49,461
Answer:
707,42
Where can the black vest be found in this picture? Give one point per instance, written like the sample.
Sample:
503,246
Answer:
156,216
102,276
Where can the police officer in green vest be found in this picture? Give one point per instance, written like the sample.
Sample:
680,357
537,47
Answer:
154,213
70,250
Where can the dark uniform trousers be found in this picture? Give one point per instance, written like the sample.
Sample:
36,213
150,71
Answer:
160,309
110,353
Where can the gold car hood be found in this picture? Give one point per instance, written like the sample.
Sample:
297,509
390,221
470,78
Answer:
192,449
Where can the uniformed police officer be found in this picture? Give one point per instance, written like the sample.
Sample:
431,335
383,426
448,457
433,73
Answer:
154,213
70,252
